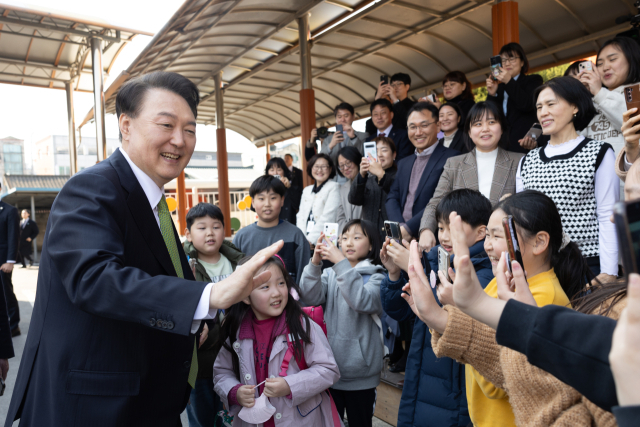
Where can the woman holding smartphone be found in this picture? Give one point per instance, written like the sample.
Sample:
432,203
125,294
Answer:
617,66
277,167
487,167
456,89
348,165
512,90
576,172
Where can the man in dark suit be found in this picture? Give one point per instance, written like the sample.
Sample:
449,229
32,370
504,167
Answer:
382,116
295,172
418,174
112,336
9,232
28,231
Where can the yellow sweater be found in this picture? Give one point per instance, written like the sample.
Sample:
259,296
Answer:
489,405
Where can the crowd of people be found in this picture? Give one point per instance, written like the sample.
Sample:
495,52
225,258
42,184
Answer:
448,171
294,320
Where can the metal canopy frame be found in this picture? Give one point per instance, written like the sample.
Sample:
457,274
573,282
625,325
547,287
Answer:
255,45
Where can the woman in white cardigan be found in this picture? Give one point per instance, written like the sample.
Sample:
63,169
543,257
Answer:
319,203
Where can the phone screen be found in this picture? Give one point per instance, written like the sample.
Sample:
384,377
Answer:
443,262
627,219
535,131
512,242
370,150
496,64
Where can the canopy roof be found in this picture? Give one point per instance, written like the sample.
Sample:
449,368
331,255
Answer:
255,44
45,49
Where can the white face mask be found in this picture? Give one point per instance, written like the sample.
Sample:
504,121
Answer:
260,413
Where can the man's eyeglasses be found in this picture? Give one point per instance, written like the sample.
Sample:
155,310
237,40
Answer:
423,127
321,168
346,166
397,85
509,60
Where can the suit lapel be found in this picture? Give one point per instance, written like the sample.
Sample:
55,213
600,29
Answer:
470,171
500,175
142,212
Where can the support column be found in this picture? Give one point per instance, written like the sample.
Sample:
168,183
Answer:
504,24
268,154
224,197
307,96
194,196
98,97
35,239
73,155
181,197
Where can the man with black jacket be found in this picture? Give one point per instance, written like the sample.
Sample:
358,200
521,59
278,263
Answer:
382,115
28,231
9,232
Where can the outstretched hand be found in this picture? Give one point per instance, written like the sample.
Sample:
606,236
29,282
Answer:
244,280
421,299
513,287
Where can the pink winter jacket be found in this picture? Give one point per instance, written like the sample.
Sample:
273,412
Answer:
310,404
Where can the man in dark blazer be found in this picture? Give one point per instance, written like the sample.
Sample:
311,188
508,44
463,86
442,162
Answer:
9,233
295,172
382,116
28,231
112,335
418,174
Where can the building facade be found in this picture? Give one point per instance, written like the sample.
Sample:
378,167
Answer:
12,152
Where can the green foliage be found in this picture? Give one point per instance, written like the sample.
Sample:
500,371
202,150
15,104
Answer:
480,93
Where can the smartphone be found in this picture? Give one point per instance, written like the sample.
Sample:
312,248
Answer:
278,177
384,79
535,131
331,232
632,98
496,64
626,216
444,261
585,65
393,230
512,242
370,150
432,97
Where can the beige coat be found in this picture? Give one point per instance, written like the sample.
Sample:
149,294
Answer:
462,172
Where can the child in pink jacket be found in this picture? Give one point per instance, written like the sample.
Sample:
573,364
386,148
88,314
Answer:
254,335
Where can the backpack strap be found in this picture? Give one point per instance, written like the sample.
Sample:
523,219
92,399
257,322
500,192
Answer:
302,364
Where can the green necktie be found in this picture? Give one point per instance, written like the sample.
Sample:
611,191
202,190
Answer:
166,227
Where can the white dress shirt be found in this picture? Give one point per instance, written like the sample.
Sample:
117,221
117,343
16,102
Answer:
386,132
154,194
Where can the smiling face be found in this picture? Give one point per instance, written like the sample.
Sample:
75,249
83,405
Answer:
347,167
472,235
321,170
448,119
422,129
385,155
161,138
451,89
381,117
554,113
288,160
355,245
267,205
275,170
486,132
270,299
613,67
206,234
512,63
495,242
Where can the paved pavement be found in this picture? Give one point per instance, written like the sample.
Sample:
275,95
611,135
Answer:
24,282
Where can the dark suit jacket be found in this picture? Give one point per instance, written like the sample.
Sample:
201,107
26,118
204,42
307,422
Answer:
9,229
109,342
521,107
458,142
404,147
29,231
297,177
428,183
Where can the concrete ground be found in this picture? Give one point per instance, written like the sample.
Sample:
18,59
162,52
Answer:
24,282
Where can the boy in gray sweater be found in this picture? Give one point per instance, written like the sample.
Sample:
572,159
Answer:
267,194
350,293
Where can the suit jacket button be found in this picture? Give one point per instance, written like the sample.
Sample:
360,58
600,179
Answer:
164,324
169,325
187,364
152,321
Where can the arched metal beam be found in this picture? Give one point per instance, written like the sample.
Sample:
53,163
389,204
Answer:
244,125
253,118
538,36
239,130
476,27
454,44
343,86
268,117
360,79
407,66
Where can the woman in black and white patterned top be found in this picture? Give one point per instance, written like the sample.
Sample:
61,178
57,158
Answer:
577,173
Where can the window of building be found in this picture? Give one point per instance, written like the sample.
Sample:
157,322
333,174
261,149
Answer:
12,159
64,170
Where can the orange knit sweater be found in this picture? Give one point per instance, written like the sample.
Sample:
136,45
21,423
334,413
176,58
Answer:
536,397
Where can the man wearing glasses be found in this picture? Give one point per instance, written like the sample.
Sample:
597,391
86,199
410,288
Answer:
418,174
513,91
397,92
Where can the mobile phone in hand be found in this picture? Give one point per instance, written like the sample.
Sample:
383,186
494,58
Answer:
384,79
331,232
512,242
393,230
632,99
444,262
585,65
496,64
535,131
626,216
370,150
